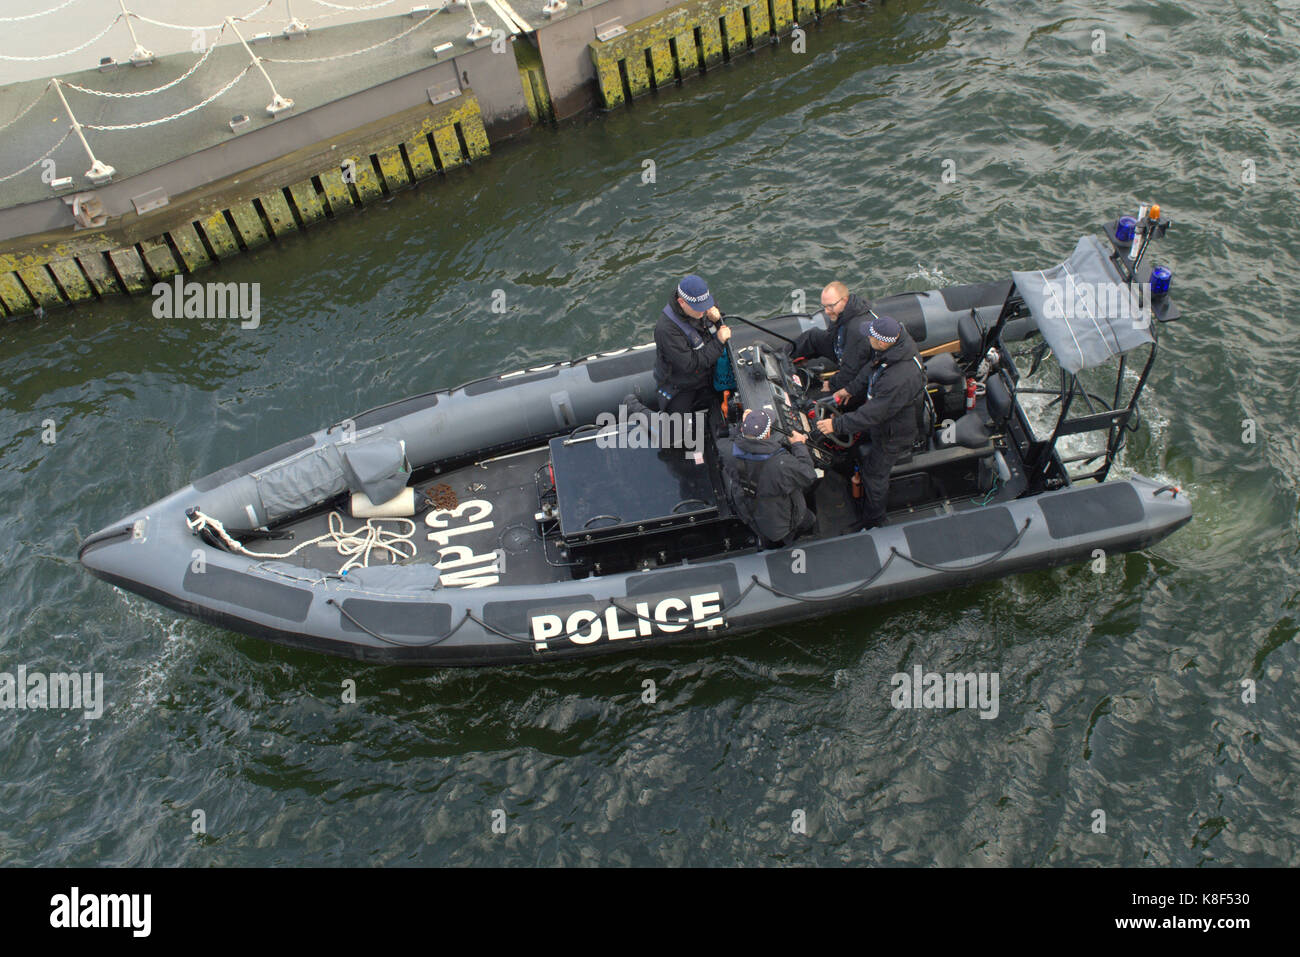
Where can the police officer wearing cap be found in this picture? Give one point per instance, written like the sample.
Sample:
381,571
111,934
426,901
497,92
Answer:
895,385
689,339
766,480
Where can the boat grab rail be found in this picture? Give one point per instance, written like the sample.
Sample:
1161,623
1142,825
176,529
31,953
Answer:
895,553
755,582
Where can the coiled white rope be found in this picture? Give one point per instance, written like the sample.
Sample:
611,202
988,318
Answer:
356,546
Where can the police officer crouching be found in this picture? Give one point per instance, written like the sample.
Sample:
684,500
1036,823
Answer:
895,386
689,339
766,480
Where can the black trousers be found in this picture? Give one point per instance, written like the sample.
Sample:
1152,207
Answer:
808,523
701,399
874,465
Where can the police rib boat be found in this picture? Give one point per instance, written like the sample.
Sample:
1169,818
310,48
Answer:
518,519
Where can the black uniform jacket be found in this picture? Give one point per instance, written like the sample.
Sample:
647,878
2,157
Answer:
895,380
684,362
767,482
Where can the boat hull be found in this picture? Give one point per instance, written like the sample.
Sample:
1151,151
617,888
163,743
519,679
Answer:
517,624
154,552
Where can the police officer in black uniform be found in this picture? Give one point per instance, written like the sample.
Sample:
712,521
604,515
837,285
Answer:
767,481
895,385
842,341
689,339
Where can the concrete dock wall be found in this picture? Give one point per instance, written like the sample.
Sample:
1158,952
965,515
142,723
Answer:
204,206
244,209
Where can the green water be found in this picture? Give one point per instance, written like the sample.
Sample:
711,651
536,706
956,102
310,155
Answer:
1118,691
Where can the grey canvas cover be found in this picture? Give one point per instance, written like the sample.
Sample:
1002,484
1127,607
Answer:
394,578
376,467
304,480
1084,310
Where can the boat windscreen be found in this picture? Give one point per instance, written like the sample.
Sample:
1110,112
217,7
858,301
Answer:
1084,309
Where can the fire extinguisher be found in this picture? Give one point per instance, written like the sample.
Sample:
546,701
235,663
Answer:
970,394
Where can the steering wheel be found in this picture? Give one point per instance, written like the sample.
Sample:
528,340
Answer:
825,408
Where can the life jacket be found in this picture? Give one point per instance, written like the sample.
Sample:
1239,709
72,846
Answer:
921,404
692,335
741,472
749,474
668,379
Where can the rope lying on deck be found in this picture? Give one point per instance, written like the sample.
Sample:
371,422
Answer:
357,546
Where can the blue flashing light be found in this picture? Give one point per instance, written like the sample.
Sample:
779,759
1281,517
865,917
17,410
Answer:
1125,229
1160,279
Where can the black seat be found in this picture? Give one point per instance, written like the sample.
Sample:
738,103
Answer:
998,401
973,430
925,421
970,333
942,370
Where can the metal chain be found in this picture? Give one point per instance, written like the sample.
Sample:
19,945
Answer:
55,56
315,17
213,26
33,16
190,72
166,86
27,109
339,6
39,158
174,116
343,56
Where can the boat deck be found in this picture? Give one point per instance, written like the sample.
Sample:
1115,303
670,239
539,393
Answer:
485,535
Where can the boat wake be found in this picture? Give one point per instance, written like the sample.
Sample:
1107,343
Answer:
935,278
157,673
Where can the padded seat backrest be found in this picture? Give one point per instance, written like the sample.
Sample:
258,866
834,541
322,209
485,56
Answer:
998,399
971,432
942,369
924,422
970,332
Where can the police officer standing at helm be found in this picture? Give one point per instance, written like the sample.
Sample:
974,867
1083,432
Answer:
895,384
689,339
